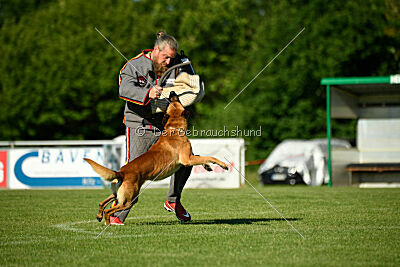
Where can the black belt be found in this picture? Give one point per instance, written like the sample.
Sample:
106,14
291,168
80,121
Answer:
147,122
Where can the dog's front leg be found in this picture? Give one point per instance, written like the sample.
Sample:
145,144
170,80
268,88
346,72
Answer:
207,167
192,160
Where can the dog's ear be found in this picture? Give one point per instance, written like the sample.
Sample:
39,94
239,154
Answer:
186,113
165,119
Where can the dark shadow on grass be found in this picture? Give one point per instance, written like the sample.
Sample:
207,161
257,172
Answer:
235,221
240,220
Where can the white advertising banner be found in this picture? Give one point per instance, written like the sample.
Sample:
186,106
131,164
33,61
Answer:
228,150
54,168
51,167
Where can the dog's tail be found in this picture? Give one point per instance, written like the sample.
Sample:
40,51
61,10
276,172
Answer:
105,173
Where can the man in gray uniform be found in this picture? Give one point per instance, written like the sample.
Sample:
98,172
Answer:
139,84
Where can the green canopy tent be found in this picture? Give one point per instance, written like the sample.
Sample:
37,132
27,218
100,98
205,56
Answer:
360,97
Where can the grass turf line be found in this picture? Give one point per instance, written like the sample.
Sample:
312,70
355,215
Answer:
343,226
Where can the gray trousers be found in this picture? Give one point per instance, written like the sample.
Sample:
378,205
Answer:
138,143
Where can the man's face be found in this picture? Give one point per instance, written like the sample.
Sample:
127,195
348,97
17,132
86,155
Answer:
161,59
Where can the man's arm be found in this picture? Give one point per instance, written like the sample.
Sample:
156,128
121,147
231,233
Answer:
133,85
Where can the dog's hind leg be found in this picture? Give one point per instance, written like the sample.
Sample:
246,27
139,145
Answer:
102,205
127,197
118,207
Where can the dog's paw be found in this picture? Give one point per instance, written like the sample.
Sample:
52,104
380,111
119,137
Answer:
207,167
225,167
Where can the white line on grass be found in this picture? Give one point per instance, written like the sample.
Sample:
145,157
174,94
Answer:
264,68
88,234
266,199
69,226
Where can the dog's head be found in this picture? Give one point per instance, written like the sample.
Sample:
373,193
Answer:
173,96
175,111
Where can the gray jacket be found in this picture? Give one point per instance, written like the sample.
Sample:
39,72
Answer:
136,78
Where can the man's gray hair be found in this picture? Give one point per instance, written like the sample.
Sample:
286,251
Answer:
164,39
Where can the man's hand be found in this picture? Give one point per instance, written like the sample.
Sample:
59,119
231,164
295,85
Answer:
155,92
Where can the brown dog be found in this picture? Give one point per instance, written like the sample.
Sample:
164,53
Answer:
165,157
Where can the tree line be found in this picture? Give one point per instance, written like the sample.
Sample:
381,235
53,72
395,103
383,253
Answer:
59,77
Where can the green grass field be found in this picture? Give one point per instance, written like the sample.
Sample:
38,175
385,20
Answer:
342,226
